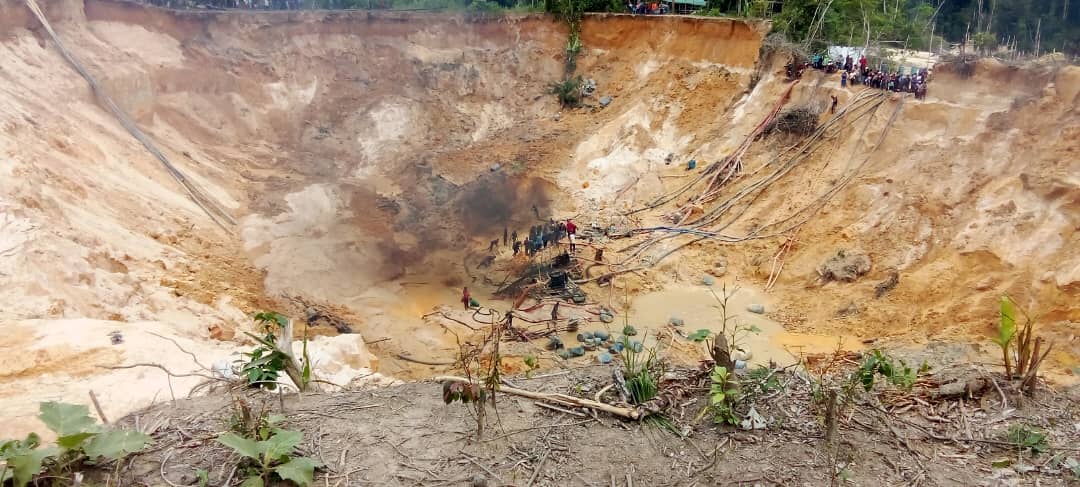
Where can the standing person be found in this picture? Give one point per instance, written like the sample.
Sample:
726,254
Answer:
555,314
834,102
517,247
843,79
465,297
506,237
571,231
513,236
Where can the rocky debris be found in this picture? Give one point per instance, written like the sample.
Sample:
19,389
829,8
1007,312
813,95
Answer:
708,280
605,101
845,266
606,316
675,321
741,355
719,267
588,87
887,285
850,310
756,308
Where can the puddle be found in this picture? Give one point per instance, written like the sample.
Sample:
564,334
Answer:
700,309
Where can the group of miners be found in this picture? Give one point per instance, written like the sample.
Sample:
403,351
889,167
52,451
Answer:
540,237
859,72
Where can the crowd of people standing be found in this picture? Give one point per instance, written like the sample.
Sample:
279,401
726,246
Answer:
859,72
542,236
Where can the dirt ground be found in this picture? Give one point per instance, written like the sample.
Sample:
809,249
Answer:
406,435
370,158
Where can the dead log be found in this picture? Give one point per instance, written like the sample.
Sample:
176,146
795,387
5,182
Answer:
559,399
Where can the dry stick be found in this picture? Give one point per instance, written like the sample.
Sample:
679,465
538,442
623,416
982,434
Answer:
1029,380
193,357
97,406
830,437
560,399
421,361
455,320
162,367
536,472
488,470
162,469
561,410
1004,402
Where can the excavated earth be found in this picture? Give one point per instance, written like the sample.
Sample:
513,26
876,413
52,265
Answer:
369,158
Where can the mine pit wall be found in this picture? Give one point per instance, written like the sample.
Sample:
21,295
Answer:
731,42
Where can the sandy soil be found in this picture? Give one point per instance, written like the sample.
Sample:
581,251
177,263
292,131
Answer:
355,150
405,435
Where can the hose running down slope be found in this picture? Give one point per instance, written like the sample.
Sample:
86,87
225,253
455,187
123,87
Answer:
208,205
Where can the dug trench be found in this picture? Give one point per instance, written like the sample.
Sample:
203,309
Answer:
370,158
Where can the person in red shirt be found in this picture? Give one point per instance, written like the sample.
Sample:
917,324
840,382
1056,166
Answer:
571,231
465,298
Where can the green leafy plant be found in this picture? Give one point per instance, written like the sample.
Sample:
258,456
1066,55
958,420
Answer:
480,363
532,364
879,363
1006,331
80,440
723,396
1019,343
1025,438
760,380
641,372
568,91
271,453
1073,465
264,364
700,335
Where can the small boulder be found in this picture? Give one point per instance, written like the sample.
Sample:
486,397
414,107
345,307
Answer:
604,358
708,280
605,101
845,266
756,308
606,317
675,321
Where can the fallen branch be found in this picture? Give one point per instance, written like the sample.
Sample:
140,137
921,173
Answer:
162,367
559,399
421,361
192,355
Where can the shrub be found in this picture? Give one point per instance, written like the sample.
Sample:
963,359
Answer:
79,440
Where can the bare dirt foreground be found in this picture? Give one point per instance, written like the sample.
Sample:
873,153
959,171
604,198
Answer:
405,435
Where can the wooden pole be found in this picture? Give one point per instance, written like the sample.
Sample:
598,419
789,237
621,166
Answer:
558,399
